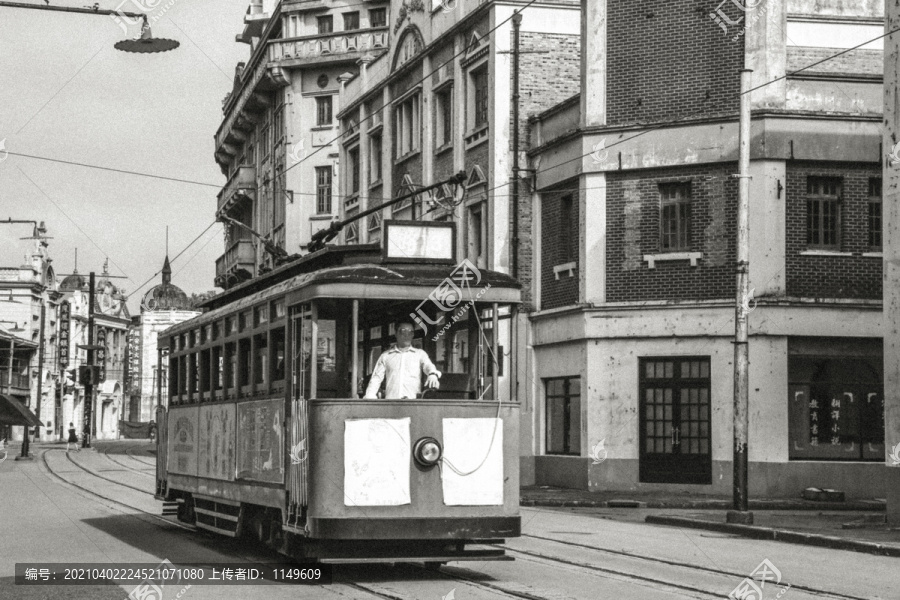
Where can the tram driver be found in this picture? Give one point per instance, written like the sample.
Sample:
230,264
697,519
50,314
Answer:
401,367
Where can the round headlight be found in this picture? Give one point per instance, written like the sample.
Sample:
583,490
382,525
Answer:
427,451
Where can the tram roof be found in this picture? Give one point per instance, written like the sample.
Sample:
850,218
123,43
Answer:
355,272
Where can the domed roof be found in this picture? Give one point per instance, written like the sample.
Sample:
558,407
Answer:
166,295
72,283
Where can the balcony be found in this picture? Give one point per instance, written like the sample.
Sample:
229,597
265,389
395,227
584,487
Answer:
19,381
236,265
331,47
241,185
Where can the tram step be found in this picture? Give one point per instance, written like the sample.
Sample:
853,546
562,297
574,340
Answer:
169,508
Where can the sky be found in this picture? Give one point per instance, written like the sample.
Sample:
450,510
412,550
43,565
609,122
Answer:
66,93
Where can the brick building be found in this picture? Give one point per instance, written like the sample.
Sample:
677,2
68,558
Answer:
276,143
635,230
438,103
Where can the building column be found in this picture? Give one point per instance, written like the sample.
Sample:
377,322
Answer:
593,63
891,245
592,242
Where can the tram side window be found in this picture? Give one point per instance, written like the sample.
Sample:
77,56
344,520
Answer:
230,365
182,377
204,371
277,354
193,375
173,377
217,366
260,358
243,369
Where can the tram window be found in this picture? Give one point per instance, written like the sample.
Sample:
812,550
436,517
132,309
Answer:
243,318
203,336
243,366
204,370
230,326
216,365
262,314
193,338
182,377
375,333
325,352
173,377
278,308
261,358
459,351
230,365
193,375
277,354
215,331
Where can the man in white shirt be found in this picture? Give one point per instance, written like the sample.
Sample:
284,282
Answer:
402,367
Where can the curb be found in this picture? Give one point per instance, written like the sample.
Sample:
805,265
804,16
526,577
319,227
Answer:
778,535
707,505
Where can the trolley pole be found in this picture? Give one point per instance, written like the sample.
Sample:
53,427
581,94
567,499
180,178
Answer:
740,512
89,386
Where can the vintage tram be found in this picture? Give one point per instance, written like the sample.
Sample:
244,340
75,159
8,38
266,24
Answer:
265,432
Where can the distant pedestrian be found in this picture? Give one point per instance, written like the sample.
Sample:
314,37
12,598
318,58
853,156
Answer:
73,438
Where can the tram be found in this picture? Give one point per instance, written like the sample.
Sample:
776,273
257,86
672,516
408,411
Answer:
265,433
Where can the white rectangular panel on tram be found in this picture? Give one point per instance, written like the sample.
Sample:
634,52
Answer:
472,470
376,462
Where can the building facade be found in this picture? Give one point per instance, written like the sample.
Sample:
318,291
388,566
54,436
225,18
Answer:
635,252
111,321
438,103
162,306
277,142
28,307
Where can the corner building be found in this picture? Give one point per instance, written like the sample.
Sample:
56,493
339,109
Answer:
635,249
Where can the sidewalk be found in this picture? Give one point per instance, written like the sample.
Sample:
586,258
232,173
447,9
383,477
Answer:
856,524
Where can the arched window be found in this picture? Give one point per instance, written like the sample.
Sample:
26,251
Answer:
410,44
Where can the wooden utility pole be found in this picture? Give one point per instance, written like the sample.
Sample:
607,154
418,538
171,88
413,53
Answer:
740,512
89,386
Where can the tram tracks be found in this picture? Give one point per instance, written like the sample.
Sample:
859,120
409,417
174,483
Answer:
733,576
107,454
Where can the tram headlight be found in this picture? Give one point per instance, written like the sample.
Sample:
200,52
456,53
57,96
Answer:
427,451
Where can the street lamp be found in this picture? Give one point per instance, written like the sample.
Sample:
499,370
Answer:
146,43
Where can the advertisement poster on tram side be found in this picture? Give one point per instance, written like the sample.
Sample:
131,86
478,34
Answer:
182,424
217,442
261,441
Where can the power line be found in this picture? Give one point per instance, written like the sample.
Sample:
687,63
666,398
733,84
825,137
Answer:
114,170
173,260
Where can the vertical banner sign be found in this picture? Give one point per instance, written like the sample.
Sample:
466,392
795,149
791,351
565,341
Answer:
63,341
101,352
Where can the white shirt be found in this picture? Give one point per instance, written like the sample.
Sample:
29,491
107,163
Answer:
404,368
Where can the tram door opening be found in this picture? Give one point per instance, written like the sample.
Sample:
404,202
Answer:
300,360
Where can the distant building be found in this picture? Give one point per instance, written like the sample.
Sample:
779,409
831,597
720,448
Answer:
277,142
24,289
111,320
162,306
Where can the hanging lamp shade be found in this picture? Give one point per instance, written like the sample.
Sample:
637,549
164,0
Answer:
147,43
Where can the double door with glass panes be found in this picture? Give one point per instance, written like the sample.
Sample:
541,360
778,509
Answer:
675,420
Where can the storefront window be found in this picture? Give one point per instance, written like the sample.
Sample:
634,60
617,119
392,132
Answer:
836,406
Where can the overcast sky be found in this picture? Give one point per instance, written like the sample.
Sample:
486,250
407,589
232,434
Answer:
66,93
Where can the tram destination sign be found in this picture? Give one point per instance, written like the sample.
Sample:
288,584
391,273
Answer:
418,241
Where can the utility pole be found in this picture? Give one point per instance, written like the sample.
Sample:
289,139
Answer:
89,387
740,512
40,377
514,258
